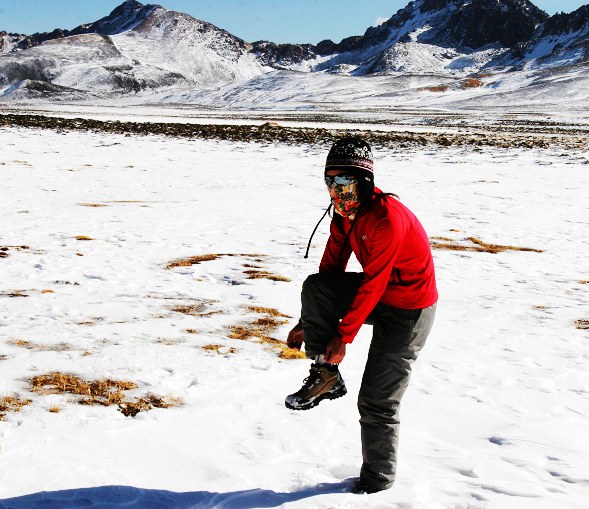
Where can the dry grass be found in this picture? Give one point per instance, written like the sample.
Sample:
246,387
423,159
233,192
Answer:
29,345
169,341
200,308
14,293
11,404
83,237
55,409
262,274
148,402
291,353
584,282
3,357
471,83
582,324
195,260
267,311
479,246
191,331
540,307
220,349
104,392
63,282
437,88
93,205
47,291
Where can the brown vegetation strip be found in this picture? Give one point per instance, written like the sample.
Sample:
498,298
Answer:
104,392
479,246
61,347
295,135
261,328
582,324
195,260
11,404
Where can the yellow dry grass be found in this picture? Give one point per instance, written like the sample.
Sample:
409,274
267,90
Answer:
148,402
479,246
11,404
266,311
102,392
195,260
83,237
582,324
198,309
93,205
47,291
262,274
220,349
29,345
105,392
55,409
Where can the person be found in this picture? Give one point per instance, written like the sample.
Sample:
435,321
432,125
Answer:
395,293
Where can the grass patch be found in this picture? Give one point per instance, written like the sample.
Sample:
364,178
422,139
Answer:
220,349
477,245
267,311
93,205
3,357
55,409
169,341
582,324
471,83
104,392
148,402
262,274
29,345
191,331
201,308
14,293
437,88
11,404
83,237
196,260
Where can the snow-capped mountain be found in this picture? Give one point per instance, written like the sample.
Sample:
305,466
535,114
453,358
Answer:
145,48
135,48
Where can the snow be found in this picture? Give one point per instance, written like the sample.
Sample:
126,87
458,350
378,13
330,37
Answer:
495,415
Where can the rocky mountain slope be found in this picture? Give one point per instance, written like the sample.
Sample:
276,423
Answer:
139,49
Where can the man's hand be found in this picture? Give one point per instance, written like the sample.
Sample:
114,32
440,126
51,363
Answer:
296,337
335,351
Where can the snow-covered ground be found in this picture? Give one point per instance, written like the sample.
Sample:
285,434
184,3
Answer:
496,413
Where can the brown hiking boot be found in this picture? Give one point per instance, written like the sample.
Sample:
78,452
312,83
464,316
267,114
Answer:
322,383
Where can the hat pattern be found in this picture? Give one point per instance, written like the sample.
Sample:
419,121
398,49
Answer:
350,152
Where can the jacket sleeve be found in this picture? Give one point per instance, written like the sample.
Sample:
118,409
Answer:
332,253
387,237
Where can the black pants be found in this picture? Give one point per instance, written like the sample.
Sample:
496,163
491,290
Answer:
398,336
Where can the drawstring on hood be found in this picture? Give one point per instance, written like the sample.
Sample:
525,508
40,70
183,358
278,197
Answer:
316,226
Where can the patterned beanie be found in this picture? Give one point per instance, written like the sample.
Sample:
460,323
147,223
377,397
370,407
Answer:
351,154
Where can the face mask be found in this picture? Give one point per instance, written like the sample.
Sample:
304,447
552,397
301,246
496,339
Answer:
345,198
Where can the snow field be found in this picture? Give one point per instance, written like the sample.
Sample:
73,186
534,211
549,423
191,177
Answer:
497,406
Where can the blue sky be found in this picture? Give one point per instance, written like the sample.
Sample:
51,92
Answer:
274,20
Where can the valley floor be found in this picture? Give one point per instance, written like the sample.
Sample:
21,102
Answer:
91,225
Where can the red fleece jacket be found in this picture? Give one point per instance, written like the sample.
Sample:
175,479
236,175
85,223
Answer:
394,251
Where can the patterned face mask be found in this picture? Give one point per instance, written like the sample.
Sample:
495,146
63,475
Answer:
344,197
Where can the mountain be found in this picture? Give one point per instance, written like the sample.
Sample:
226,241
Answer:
140,49
136,48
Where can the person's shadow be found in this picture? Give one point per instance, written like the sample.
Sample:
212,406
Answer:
127,497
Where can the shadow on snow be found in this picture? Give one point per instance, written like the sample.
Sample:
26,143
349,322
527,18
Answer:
111,497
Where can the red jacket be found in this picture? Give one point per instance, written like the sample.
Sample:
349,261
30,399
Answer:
394,251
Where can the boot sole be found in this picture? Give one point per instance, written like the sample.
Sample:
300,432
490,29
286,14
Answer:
311,404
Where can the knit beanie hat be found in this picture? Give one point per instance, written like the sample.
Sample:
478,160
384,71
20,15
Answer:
352,154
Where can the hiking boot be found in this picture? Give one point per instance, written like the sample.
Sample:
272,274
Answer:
322,383
363,489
